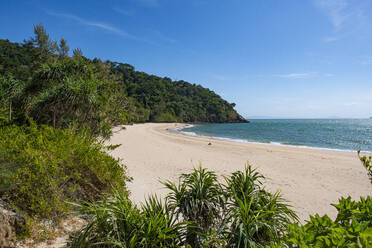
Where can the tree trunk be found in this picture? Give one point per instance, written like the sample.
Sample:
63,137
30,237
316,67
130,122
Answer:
54,119
10,110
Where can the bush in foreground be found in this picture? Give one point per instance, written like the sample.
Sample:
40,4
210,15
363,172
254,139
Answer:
201,212
351,228
198,212
258,217
43,168
117,222
367,163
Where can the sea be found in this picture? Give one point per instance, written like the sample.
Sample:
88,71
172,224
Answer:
347,135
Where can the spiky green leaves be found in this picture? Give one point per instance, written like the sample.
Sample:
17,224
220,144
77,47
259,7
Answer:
257,216
198,198
241,212
117,222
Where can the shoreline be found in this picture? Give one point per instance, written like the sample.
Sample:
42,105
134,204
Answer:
271,143
309,179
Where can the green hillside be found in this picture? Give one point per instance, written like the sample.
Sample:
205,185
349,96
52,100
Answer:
39,79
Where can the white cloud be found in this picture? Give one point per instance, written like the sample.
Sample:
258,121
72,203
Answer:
294,75
123,11
328,75
100,25
110,28
331,39
303,75
336,10
346,17
162,37
350,104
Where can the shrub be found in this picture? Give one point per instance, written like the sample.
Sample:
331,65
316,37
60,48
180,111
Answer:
198,198
239,214
198,212
69,92
42,168
117,222
367,163
167,117
352,227
257,217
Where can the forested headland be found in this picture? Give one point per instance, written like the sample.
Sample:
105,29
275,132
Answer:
38,79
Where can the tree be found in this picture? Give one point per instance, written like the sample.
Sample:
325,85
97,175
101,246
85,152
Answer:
63,48
70,92
77,53
42,39
10,88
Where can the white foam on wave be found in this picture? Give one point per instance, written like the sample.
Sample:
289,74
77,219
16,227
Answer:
189,133
183,127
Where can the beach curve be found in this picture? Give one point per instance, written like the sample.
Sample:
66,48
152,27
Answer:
309,179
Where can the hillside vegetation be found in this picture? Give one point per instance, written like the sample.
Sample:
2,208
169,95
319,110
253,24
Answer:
40,80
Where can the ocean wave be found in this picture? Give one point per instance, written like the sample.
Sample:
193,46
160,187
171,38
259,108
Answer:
181,130
183,127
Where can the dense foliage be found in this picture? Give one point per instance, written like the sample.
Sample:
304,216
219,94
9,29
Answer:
43,168
117,222
57,90
259,218
351,228
169,100
198,212
69,92
201,212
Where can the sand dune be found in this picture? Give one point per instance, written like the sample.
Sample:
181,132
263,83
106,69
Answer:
310,179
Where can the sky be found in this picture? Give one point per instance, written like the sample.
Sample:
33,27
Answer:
282,59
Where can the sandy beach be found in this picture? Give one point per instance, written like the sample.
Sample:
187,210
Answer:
310,179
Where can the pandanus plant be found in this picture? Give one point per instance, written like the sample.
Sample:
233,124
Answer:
239,214
258,217
117,222
199,211
199,199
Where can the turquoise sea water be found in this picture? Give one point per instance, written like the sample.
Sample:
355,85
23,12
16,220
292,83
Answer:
338,134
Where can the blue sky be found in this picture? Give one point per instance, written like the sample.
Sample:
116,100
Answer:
287,58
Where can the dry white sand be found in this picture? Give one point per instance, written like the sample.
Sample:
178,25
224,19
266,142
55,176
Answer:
310,179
